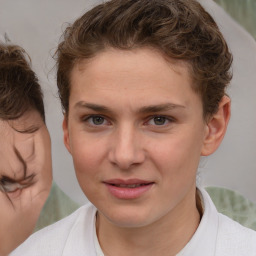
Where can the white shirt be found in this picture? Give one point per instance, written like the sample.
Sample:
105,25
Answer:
218,235
75,235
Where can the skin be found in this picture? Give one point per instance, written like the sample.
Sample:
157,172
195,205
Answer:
149,125
22,206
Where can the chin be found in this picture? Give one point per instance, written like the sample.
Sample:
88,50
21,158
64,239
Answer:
128,218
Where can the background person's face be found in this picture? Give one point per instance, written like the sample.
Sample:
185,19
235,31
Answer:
23,153
25,147
136,132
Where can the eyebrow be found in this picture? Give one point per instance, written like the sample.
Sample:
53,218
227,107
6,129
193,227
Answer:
159,108
142,110
92,106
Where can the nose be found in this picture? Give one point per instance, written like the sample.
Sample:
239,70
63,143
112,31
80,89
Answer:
126,148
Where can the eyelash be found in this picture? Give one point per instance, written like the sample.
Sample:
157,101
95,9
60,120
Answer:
89,119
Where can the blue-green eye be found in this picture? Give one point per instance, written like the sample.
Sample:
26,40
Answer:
96,120
158,120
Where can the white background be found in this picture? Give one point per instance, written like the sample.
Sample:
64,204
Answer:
37,25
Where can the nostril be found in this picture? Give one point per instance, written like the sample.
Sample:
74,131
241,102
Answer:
125,162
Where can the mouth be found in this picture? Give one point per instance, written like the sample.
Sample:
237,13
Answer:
128,189
130,185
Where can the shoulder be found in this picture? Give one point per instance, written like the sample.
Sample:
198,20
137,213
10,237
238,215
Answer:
52,240
226,236
234,239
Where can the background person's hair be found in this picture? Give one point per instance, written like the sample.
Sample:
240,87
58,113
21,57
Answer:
19,87
179,29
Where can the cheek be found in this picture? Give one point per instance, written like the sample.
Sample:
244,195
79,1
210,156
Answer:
87,155
40,161
177,154
26,148
177,161
46,150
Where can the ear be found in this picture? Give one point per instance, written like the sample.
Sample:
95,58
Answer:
216,127
66,133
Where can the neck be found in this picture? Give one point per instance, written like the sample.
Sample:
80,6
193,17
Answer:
166,236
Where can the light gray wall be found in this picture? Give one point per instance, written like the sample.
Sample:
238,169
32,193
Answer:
36,25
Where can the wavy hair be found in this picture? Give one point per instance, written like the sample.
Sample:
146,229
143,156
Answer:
19,87
180,29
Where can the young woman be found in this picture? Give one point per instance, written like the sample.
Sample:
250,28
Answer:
25,150
142,85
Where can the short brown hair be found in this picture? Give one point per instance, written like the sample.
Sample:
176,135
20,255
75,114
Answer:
19,87
19,92
180,29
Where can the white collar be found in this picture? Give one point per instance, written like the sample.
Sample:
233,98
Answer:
204,240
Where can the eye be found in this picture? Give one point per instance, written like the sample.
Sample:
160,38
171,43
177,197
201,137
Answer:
95,120
159,121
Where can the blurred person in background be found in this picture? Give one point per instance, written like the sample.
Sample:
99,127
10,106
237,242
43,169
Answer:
25,148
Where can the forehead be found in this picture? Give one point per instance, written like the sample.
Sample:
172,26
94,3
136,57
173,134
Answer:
140,75
137,60
114,64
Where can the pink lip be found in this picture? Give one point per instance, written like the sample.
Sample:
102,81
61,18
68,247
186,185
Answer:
117,189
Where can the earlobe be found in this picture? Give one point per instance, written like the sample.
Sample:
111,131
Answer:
66,133
216,127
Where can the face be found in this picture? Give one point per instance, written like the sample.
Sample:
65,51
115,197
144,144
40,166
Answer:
25,149
135,130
